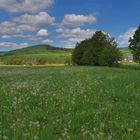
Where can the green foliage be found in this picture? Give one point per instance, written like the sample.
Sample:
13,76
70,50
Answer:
68,62
100,50
78,53
41,61
110,56
2,54
14,60
134,45
74,103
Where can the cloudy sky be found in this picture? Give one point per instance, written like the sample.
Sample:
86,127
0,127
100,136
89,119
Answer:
63,23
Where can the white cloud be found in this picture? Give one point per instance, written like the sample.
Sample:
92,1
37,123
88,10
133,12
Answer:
30,6
77,20
24,44
26,36
35,20
11,28
42,32
124,38
75,32
26,25
72,36
13,45
6,37
47,41
70,29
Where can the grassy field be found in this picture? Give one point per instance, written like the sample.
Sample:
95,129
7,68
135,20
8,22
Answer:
49,55
77,103
125,52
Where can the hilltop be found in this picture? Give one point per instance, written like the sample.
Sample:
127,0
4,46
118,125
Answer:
37,49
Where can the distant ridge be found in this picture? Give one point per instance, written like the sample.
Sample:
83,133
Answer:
37,49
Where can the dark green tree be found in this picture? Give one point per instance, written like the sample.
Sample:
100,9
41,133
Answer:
78,53
110,56
134,45
100,50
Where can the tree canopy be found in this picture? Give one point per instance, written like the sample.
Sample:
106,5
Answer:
99,50
134,45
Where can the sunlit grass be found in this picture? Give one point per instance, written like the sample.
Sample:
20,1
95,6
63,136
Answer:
78,103
49,55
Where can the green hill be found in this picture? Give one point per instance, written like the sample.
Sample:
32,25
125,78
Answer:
50,54
38,49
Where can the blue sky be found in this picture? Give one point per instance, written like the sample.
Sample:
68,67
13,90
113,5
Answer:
63,23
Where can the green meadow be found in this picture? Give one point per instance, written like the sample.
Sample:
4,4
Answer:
49,55
69,103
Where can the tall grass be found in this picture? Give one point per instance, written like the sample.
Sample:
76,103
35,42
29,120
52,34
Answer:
77,103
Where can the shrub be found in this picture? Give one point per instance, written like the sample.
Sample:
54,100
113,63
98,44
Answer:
100,50
41,61
67,62
14,60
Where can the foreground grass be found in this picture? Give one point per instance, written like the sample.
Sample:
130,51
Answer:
78,103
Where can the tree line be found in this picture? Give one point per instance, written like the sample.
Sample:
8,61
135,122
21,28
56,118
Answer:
21,60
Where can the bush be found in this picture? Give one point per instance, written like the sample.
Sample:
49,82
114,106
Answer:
41,61
110,56
14,60
100,50
67,62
